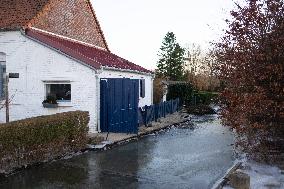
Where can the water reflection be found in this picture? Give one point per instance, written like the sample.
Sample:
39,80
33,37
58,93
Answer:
60,173
203,119
190,156
116,168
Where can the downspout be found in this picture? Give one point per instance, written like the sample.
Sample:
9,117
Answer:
152,89
98,90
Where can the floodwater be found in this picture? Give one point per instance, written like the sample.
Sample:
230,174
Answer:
189,157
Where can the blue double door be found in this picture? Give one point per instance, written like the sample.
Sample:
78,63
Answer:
119,105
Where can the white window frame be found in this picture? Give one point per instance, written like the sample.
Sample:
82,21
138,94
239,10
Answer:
60,102
141,87
3,65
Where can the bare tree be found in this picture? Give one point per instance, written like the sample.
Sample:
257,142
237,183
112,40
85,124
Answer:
193,62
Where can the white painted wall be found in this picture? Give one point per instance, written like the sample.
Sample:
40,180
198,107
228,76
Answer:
38,64
148,99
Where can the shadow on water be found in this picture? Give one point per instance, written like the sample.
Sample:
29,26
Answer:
63,172
116,168
191,156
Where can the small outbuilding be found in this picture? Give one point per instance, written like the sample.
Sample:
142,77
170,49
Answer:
59,52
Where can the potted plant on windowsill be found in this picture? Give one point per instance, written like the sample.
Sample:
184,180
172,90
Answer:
50,102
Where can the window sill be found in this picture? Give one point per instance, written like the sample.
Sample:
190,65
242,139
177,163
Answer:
47,105
65,104
60,104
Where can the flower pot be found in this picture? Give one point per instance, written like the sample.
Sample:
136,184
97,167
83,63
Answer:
48,105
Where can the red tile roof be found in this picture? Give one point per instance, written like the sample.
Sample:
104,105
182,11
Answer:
17,13
90,55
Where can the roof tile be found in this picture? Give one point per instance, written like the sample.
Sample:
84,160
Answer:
90,55
17,13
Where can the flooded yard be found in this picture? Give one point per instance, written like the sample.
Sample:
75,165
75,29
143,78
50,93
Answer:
184,157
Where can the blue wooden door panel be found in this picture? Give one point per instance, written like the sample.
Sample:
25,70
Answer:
119,105
103,108
133,96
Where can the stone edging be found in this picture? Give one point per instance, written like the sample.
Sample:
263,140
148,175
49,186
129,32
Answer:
133,138
223,181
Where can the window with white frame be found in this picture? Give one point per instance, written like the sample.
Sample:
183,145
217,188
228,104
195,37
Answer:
60,91
142,88
2,74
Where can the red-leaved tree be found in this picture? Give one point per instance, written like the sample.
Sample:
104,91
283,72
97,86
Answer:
250,63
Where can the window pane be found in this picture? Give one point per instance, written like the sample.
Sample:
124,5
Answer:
2,79
142,88
60,91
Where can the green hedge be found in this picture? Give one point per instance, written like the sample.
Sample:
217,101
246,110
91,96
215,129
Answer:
183,91
41,139
204,97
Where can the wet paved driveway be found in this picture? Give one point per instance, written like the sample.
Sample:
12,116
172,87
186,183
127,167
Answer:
191,157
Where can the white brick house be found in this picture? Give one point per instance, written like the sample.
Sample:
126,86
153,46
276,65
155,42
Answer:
40,65
71,70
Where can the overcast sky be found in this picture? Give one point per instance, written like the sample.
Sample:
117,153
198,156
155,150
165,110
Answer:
134,29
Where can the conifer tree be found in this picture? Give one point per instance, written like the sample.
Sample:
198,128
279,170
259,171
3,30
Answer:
171,61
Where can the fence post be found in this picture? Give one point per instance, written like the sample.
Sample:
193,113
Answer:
179,104
145,115
172,106
153,113
157,111
164,109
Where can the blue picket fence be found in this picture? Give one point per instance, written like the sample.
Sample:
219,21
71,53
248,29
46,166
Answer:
148,114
